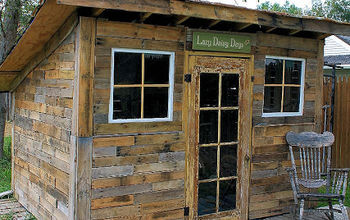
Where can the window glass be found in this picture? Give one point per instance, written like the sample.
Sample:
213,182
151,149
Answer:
228,160
142,85
208,127
156,103
272,99
127,103
207,163
209,90
156,69
229,125
127,68
206,198
291,100
274,71
227,197
230,88
293,72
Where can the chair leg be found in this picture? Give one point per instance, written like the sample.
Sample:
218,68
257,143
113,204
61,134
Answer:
301,210
343,210
331,208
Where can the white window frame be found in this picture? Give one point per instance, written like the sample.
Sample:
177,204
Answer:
302,85
170,91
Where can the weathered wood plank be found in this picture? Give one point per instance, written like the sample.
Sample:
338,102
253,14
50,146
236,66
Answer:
85,70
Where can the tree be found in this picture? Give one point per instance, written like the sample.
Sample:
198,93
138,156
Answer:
14,17
286,8
334,9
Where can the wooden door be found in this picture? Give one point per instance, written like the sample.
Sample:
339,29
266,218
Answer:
218,131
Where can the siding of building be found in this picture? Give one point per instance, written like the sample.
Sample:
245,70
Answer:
42,134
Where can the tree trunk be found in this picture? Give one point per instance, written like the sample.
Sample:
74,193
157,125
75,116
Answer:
8,36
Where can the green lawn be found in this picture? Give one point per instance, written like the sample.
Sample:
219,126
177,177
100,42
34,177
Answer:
5,167
347,198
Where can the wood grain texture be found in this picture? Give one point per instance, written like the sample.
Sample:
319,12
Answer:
219,12
45,52
86,52
41,135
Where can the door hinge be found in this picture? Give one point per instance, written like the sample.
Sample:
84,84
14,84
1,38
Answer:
186,211
252,78
188,78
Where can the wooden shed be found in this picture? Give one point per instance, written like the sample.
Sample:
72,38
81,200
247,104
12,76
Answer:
160,109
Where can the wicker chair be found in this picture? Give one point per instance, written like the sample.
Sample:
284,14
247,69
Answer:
313,151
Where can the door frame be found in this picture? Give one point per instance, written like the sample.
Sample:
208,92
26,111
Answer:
189,127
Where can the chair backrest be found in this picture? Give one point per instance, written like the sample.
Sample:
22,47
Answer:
314,152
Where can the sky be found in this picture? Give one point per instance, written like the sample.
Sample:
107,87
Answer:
252,3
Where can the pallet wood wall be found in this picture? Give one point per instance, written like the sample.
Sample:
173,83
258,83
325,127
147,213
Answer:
270,192
138,168
42,134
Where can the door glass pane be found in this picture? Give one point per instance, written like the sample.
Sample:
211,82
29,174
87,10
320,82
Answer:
272,99
230,86
293,72
209,90
156,102
156,68
228,161
127,68
206,198
229,125
291,99
208,127
227,197
126,103
273,71
207,162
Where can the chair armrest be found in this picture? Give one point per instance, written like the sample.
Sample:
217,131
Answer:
340,169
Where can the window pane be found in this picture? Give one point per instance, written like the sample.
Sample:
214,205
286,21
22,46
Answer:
207,162
293,72
127,103
206,198
230,88
227,197
228,161
156,68
229,125
274,71
272,99
209,90
208,127
156,102
127,68
291,99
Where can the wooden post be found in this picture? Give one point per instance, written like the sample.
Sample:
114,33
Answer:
81,152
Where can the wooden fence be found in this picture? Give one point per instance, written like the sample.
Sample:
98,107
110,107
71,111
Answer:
341,128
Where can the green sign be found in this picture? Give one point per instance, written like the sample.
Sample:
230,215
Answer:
221,42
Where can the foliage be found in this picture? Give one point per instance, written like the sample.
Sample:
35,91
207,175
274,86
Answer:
27,8
286,8
334,9
5,167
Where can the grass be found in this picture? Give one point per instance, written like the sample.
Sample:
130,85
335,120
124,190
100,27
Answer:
5,167
325,203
